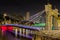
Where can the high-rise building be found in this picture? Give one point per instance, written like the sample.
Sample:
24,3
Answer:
27,15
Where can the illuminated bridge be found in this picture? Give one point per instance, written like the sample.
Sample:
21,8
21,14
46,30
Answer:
48,18
20,32
24,31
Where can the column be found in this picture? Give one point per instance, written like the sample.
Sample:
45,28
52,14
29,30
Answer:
38,37
48,22
56,23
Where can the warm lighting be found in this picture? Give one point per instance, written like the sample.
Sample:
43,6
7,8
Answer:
5,14
4,28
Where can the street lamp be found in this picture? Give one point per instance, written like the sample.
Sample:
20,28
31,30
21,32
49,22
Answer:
4,15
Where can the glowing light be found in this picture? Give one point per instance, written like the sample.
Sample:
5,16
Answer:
4,28
10,28
39,24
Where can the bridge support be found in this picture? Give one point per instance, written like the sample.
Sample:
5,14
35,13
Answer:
38,37
51,15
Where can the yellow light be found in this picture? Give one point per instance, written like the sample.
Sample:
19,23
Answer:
5,14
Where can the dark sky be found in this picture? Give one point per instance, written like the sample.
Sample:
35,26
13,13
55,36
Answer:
21,6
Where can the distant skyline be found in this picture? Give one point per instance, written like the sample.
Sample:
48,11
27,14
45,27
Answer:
21,6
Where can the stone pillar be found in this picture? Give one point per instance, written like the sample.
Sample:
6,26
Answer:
49,14
38,37
48,9
59,23
56,23
48,22
55,18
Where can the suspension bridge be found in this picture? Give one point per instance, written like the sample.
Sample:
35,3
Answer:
23,32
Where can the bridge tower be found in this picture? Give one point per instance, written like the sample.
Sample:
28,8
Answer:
51,17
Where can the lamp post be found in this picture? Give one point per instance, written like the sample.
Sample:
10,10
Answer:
4,15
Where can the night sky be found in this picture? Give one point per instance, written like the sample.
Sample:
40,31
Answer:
22,6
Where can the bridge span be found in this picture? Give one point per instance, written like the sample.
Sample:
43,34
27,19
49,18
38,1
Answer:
21,32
